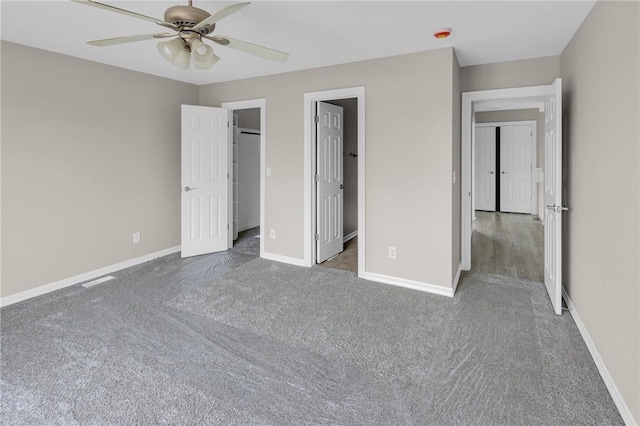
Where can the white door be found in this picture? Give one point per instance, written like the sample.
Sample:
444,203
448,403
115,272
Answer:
485,169
329,181
205,184
515,168
553,195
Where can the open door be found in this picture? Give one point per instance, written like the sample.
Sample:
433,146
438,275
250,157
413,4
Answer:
205,184
329,181
553,195
485,170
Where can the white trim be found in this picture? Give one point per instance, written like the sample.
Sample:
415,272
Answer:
77,279
284,259
309,161
468,98
98,281
489,106
506,123
624,410
249,226
247,104
456,279
401,282
533,124
350,237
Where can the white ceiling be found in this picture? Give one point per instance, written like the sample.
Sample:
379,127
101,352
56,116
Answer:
314,33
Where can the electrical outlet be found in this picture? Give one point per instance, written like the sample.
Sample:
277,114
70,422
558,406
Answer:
136,237
272,233
392,252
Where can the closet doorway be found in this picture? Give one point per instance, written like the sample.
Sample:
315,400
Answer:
246,175
337,183
355,95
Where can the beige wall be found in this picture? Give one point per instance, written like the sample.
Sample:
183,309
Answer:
248,118
501,75
522,115
408,157
602,187
90,155
350,164
456,254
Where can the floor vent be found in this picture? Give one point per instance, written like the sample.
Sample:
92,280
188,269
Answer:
98,281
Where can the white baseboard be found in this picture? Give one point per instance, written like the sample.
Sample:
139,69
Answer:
245,227
602,368
284,259
456,279
401,282
77,279
350,237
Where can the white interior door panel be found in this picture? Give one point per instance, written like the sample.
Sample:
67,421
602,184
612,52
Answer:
553,196
329,181
485,170
515,168
205,184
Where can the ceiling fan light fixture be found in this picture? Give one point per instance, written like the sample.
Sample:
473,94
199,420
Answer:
181,60
204,62
190,24
170,49
199,49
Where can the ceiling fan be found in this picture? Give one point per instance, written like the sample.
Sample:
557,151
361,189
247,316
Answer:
191,25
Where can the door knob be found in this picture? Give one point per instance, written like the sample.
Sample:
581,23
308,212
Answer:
491,172
558,209
341,186
504,173
187,189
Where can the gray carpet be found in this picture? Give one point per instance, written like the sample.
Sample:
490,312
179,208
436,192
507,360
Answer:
232,339
248,242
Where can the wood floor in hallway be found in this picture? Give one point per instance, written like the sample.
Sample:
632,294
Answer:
347,259
508,244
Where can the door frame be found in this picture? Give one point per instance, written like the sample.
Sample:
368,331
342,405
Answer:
310,99
534,156
504,99
231,107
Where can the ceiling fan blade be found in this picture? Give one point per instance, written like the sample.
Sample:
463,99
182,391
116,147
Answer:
128,39
221,14
254,49
126,12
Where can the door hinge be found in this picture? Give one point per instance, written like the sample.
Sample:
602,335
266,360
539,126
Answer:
317,237
227,175
228,125
316,178
316,118
227,226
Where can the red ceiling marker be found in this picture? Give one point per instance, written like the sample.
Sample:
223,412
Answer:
442,33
